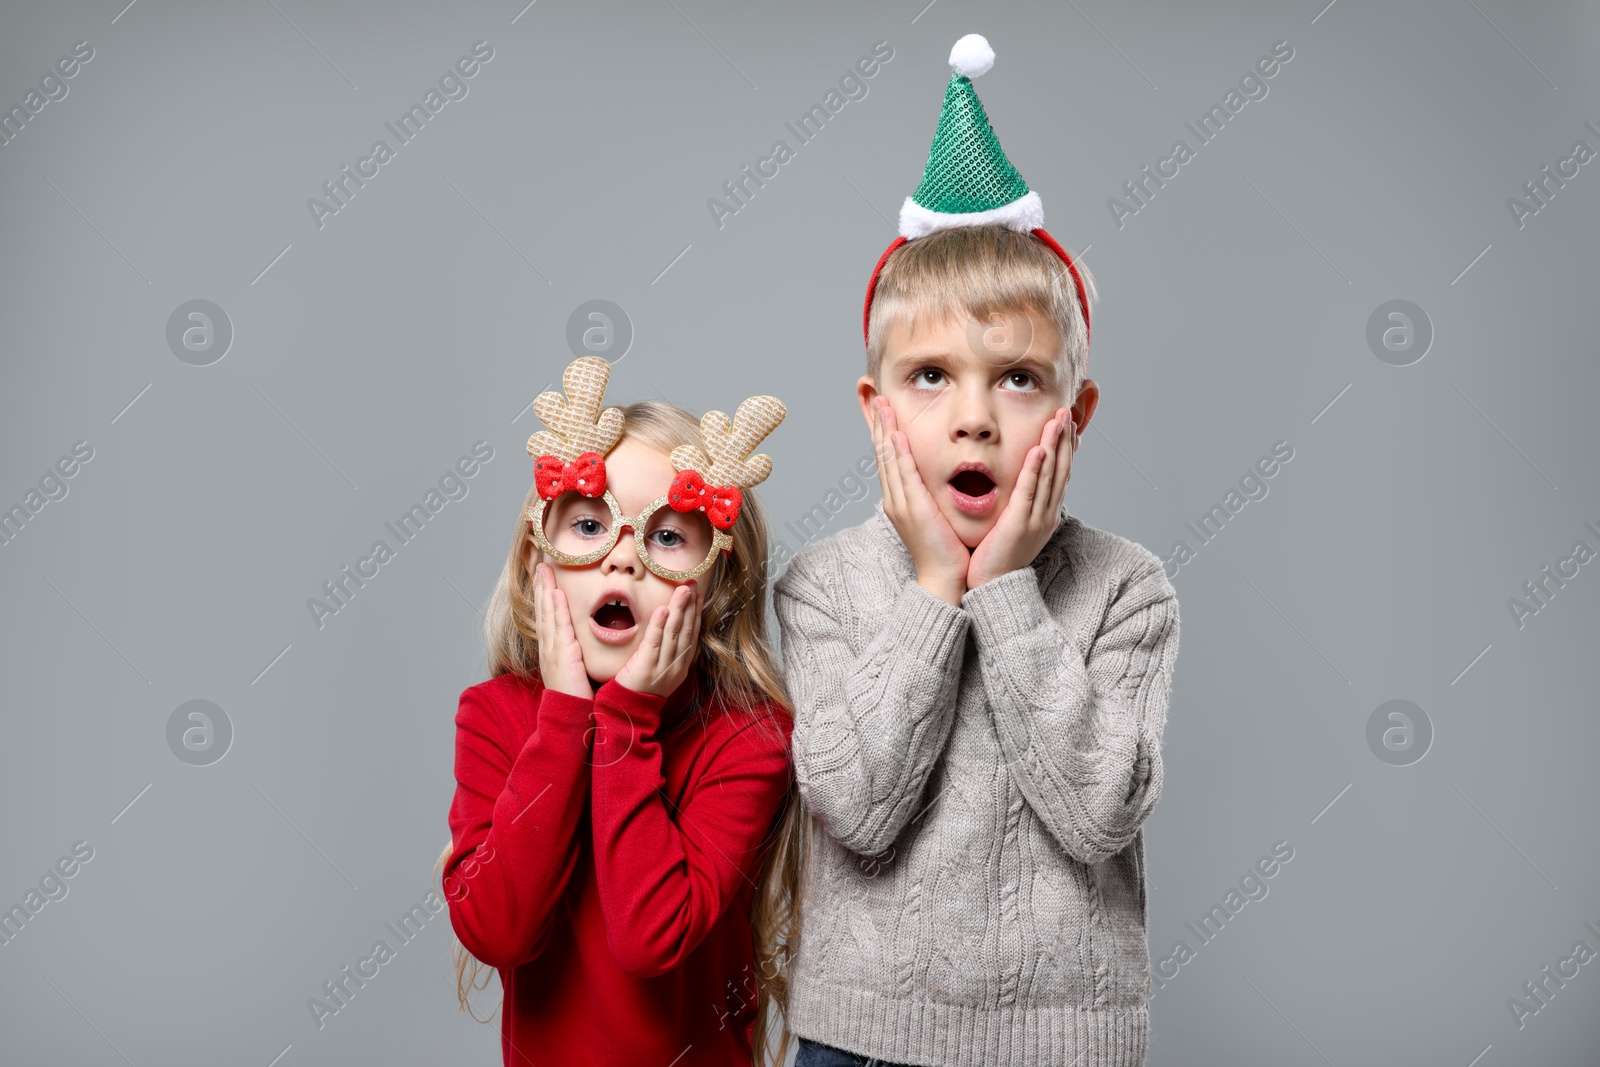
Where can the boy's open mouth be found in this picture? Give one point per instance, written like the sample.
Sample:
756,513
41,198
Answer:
972,483
613,620
973,488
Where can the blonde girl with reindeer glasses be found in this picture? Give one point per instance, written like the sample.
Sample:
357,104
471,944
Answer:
624,834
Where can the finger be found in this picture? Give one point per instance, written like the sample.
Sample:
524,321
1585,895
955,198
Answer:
563,617
1060,466
689,635
679,621
552,616
650,648
890,420
894,492
539,612
1022,496
880,447
1064,463
884,450
894,489
672,630
876,425
911,487
897,480
678,640
693,617
639,672
671,627
1051,443
555,601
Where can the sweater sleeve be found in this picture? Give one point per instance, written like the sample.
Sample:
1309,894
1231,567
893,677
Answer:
870,722
1081,733
666,875
514,821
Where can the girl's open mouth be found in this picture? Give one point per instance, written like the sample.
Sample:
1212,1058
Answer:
973,490
613,622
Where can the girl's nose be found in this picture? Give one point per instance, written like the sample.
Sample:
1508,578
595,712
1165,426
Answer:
623,556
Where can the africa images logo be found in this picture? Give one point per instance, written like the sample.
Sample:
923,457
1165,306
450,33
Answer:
452,86
1252,86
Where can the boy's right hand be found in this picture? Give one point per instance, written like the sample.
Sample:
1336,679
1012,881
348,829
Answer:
940,557
560,658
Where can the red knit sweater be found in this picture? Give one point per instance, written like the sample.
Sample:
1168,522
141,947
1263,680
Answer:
606,868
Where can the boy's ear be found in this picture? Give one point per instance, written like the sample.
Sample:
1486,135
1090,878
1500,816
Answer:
1083,407
866,393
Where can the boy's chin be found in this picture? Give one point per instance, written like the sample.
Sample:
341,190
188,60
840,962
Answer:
971,529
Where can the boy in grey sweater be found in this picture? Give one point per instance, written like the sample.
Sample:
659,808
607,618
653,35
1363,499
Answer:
980,685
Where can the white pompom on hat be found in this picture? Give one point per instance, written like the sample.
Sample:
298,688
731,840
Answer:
972,56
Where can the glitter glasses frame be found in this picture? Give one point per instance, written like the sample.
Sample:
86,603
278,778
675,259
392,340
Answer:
721,540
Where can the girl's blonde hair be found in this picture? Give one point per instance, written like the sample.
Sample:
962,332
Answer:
982,270
738,672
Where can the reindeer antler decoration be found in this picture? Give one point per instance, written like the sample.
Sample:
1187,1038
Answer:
712,483
570,455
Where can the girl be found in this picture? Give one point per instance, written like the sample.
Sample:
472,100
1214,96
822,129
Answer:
624,830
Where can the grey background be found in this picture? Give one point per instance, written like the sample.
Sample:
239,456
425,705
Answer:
373,352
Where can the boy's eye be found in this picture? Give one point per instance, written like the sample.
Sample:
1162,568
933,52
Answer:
1021,381
927,377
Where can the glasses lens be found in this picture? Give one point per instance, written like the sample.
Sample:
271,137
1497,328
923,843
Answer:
677,540
577,524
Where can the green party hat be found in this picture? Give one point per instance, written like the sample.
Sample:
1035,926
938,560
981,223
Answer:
968,180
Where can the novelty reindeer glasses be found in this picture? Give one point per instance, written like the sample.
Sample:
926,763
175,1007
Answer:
703,501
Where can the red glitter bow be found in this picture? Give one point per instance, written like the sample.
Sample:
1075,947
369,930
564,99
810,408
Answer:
585,474
689,492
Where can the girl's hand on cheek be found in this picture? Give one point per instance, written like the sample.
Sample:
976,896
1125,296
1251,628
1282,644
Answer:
560,658
662,661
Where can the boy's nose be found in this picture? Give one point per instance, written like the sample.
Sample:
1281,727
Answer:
973,419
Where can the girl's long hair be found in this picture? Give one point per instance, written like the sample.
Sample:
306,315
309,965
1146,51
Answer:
737,672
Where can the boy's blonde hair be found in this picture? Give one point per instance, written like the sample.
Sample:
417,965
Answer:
981,270
738,672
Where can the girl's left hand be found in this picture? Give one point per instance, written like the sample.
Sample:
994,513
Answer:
662,662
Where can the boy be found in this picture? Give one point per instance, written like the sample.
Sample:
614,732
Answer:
979,680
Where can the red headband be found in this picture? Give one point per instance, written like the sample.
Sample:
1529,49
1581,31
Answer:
1050,242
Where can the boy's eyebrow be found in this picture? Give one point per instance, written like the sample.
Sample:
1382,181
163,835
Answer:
917,355
1028,361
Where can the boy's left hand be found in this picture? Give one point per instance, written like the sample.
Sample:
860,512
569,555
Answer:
1030,515
661,663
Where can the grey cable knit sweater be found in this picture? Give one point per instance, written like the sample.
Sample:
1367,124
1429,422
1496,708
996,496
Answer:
978,777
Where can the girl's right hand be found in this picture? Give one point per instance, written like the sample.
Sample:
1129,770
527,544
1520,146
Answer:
560,659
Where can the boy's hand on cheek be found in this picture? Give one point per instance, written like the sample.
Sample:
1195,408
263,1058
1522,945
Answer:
661,662
560,657
940,557
1030,515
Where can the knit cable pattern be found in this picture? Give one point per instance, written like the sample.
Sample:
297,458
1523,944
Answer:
979,777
